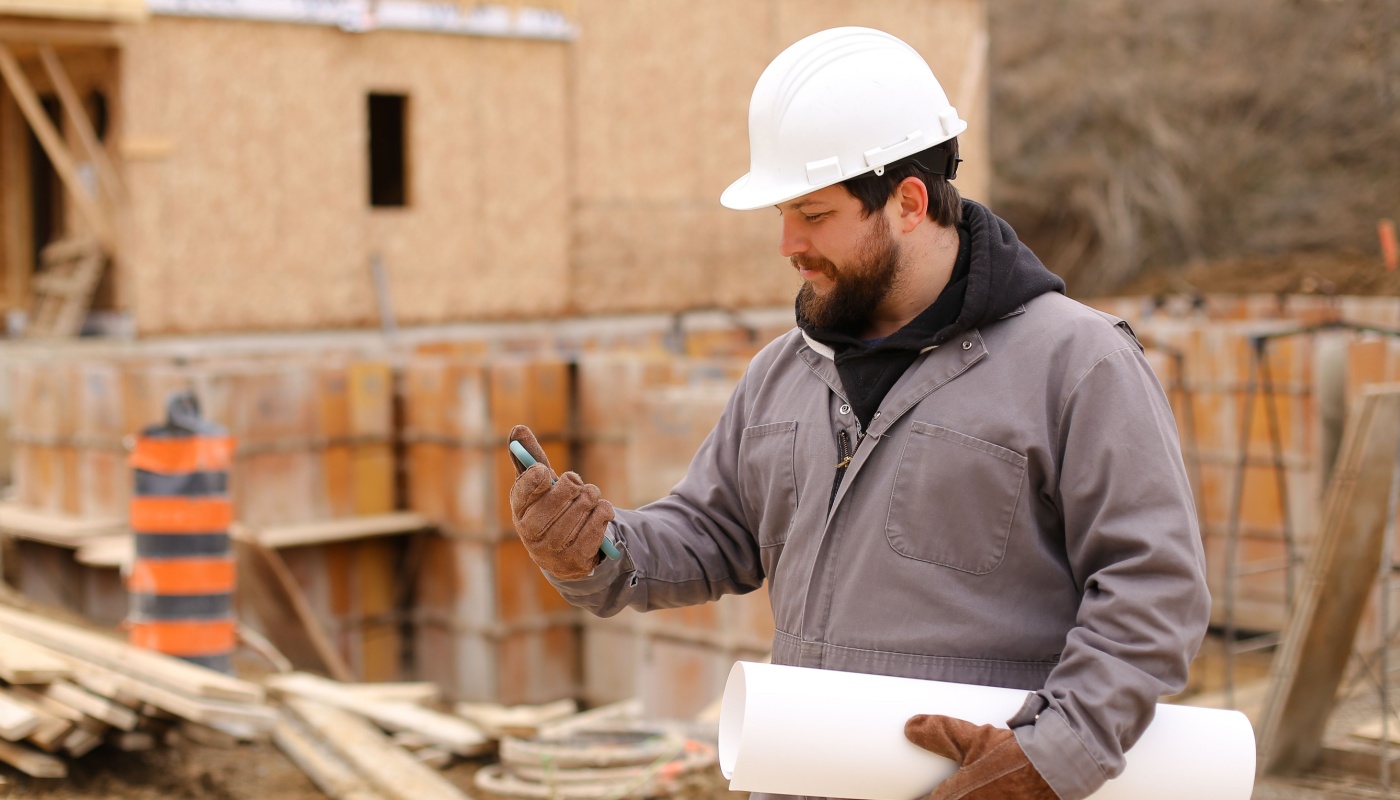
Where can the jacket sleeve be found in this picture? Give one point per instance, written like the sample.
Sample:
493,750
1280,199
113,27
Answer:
1134,549
689,547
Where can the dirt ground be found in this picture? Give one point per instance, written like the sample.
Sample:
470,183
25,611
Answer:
250,771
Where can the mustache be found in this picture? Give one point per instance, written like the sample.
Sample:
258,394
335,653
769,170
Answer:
813,264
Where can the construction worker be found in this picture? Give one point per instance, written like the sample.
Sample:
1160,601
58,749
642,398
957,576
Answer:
948,470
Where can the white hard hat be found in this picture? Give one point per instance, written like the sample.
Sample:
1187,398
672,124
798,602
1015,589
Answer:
835,105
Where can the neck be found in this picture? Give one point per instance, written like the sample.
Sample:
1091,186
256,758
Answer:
926,265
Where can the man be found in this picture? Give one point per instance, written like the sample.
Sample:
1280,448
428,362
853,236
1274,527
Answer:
948,471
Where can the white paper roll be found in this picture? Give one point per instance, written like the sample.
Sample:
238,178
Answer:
792,730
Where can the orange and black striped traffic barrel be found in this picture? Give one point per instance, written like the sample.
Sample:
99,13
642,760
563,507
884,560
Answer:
182,578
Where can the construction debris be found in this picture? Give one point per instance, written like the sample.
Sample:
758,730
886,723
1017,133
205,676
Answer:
629,760
68,690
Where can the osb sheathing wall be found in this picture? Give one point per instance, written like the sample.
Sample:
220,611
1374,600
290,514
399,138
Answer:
245,145
661,91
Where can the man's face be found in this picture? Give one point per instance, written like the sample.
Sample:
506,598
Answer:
849,265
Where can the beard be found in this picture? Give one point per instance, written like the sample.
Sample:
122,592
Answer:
858,288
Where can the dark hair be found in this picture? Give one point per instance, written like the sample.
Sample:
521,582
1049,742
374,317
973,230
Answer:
944,203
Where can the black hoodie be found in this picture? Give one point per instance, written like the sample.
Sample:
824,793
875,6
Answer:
994,274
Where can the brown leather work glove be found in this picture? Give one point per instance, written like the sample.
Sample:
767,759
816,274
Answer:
992,764
562,524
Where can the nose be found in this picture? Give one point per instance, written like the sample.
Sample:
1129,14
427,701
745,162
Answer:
792,241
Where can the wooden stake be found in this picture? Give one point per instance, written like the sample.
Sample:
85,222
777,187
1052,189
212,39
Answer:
1317,644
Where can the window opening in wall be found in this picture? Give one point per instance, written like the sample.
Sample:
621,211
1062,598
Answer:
97,113
388,158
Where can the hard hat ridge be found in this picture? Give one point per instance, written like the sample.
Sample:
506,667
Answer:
837,104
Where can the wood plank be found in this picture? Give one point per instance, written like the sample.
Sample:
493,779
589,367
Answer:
107,551
180,676
32,763
25,662
268,586
520,721
342,530
61,530
620,711
16,721
329,772
1317,643
118,716
419,693
52,142
18,229
87,35
387,767
247,720
453,733
52,728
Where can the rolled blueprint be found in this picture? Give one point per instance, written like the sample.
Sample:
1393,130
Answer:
792,730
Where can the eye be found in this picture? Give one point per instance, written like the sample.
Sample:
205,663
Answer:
814,217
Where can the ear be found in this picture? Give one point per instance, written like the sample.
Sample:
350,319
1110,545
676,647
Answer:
909,204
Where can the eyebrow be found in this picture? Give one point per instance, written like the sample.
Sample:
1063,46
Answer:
803,204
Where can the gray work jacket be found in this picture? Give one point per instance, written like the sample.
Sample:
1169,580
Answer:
1016,515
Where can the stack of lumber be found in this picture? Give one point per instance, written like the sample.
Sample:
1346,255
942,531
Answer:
66,690
363,740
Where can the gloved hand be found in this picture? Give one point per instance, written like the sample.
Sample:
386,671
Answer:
992,764
562,524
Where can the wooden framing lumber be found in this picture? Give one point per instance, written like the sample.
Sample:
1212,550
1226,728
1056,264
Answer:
61,530
16,229
453,733
26,662
58,33
52,728
100,708
32,763
328,771
249,720
419,693
57,151
341,530
16,721
87,136
390,769
145,666
1308,669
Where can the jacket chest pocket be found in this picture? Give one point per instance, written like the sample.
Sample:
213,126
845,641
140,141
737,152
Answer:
954,499
768,479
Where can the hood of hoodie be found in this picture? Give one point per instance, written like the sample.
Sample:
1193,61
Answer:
993,276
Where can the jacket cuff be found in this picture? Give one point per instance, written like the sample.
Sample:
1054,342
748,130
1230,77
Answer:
602,576
1057,753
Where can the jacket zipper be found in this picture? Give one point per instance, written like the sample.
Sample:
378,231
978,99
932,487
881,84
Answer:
845,452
